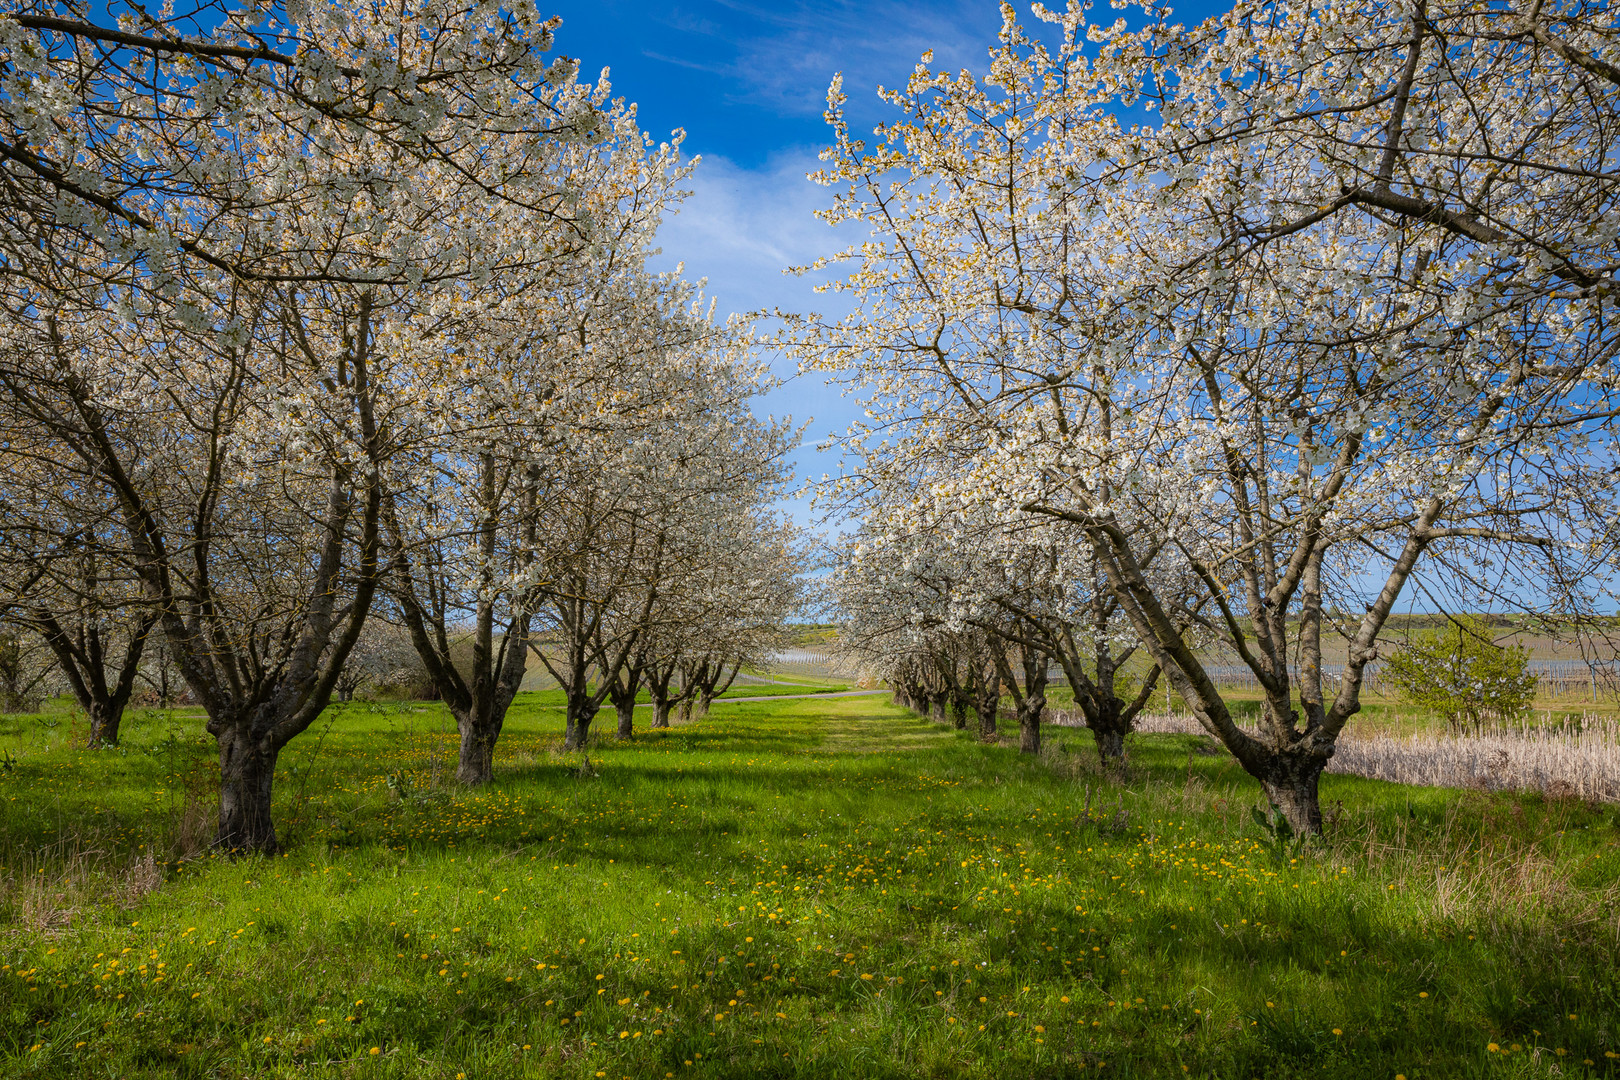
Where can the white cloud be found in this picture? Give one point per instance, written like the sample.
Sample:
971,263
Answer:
741,229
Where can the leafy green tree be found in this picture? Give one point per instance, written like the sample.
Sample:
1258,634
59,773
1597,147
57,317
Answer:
1461,673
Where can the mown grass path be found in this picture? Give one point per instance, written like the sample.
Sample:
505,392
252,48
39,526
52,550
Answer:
804,887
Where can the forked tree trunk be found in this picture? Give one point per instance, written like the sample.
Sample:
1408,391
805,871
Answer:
1031,700
247,769
1109,728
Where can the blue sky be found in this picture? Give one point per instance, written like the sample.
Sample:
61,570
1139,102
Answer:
748,83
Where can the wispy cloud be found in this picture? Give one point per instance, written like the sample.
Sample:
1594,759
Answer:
784,55
741,229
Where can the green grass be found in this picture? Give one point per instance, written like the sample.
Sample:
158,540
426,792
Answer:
797,888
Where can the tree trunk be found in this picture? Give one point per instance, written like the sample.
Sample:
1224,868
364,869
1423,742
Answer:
626,711
1291,785
1031,701
476,763
660,712
959,711
1110,745
580,716
247,769
1029,724
987,721
104,722
1108,727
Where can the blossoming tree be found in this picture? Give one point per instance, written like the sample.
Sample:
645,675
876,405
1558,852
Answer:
1339,317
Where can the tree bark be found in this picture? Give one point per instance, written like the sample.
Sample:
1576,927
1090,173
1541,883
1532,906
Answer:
626,711
1292,786
247,768
581,712
1110,745
1029,723
658,680
987,720
104,724
475,764
1031,701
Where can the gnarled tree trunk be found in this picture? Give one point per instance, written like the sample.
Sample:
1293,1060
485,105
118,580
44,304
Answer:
1290,783
247,767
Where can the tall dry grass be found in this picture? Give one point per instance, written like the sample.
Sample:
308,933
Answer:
1579,760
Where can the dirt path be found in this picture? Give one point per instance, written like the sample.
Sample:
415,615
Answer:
782,697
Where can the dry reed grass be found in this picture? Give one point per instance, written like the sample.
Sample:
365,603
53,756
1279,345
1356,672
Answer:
1562,761
46,893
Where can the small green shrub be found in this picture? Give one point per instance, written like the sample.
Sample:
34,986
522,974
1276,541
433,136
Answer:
1462,674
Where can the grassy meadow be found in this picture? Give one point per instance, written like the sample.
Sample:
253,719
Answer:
792,888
